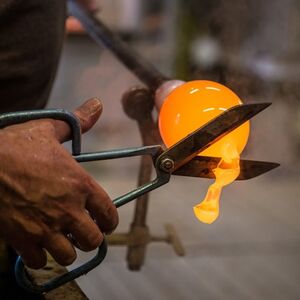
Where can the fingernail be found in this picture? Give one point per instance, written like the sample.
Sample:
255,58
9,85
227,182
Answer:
95,105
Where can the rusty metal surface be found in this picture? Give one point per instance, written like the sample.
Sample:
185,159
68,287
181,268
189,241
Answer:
138,104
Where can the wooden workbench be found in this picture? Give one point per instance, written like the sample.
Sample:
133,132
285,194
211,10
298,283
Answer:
70,291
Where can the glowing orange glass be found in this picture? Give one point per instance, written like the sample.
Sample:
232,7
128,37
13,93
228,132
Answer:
190,106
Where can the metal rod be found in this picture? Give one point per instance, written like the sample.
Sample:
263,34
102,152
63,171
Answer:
119,153
145,71
145,170
12,118
146,188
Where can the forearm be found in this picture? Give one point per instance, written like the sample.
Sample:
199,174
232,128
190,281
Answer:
32,34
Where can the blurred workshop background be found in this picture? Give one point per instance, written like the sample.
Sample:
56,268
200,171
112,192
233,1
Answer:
253,47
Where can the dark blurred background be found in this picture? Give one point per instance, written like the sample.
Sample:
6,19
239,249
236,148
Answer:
253,47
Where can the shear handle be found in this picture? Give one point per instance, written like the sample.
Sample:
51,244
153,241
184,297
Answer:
25,281
154,151
13,118
162,178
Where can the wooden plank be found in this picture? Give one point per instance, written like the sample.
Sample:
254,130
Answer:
68,291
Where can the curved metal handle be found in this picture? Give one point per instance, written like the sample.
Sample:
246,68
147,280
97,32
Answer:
13,118
22,277
25,282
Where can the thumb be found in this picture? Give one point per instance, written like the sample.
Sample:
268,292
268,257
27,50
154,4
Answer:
88,114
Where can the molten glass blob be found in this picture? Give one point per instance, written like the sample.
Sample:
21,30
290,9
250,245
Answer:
190,106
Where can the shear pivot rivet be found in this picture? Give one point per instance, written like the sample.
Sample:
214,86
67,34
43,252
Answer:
167,164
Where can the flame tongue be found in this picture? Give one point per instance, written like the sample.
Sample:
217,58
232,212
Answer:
226,172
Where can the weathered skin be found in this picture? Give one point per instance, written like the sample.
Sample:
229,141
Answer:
45,195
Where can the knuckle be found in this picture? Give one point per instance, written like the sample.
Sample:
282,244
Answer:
113,218
93,242
66,259
96,241
47,126
80,183
83,119
35,263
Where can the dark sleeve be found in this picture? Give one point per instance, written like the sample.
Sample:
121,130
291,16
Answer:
31,37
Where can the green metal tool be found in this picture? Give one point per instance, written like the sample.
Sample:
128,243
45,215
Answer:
180,159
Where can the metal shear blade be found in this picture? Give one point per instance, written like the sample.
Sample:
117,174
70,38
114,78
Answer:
202,166
186,149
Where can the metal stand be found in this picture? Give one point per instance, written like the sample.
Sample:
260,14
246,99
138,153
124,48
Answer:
138,104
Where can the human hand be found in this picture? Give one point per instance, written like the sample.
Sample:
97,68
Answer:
45,196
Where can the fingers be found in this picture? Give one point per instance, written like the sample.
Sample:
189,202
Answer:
33,256
88,114
102,209
60,249
86,233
